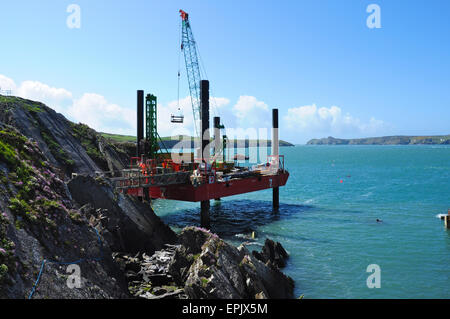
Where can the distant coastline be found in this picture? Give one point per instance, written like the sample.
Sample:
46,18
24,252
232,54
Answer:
170,141
384,140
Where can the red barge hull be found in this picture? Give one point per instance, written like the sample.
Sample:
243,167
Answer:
204,192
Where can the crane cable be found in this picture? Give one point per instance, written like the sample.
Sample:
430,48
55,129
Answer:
216,110
215,107
179,67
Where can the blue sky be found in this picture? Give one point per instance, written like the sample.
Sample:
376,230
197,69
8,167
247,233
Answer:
317,61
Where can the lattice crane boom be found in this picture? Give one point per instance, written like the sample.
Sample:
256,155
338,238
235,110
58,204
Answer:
189,48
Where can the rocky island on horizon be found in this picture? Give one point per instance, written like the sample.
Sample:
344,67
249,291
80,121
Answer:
384,140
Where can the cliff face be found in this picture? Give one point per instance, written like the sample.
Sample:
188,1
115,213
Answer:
44,218
385,140
39,221
134,225
68,146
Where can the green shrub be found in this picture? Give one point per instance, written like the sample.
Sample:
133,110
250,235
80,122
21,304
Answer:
3,271
19,206
58,153
89,140
7,154
204,282
75,216
18,224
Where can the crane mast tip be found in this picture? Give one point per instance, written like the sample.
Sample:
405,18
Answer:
184,15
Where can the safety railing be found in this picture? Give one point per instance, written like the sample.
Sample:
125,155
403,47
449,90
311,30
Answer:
133,178
276,162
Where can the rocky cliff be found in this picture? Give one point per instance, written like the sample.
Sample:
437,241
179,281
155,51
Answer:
50,220
42,218
70,147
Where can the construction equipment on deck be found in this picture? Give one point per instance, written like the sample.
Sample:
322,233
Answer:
155,174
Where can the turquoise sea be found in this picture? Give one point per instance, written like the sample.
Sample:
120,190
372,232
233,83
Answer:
329,227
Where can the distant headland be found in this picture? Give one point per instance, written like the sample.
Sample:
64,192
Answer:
384,140
171,141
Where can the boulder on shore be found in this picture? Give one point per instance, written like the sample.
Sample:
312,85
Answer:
272,252
219,270
135,226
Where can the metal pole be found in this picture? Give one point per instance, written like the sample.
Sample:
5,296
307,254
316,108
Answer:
140,121
216,136
204,101
275,139
247,151
217,144
204,115
275,152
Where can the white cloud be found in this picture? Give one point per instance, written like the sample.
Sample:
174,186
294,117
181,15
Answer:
102,115
219,102
250,112
165,127
7,83
328,121
56,98
184,107
95,111
91,109
248,104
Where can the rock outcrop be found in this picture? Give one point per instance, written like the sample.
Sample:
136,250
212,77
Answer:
150,277
272,252
39,221
43,218
220,270
70,147
135,226
203,266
